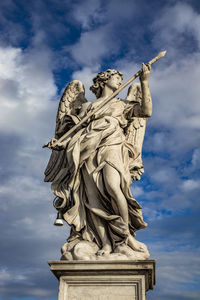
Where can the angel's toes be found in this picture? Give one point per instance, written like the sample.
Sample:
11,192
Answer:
143,248
106,250
100,253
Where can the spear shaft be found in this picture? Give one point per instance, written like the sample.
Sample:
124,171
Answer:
68,133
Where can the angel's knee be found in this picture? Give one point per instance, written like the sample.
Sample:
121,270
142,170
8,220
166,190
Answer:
112,181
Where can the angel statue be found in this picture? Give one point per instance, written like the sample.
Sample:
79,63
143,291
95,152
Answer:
92,169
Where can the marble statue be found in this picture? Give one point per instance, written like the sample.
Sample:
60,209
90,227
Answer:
92,169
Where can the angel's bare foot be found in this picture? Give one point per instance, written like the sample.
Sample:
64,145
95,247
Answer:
136,245
105,250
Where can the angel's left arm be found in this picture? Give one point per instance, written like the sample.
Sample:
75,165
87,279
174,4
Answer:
145,108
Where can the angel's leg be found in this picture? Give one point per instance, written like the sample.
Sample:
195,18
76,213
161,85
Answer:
101,228
113,186
99,223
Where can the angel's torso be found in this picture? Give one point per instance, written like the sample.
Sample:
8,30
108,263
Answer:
110,126
114,110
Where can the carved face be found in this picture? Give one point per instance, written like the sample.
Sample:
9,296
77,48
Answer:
114,82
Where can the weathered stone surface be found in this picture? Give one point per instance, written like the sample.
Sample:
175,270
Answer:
102,280
91,171
85,251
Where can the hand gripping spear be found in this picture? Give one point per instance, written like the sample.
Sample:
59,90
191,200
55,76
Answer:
68,133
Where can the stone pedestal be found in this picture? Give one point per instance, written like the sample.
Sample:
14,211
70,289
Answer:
104,280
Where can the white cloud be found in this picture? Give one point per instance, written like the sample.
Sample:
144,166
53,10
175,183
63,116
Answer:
10,58
176,93
27,86
102,23
87,13
136,190
25,188
164,175
93,46
85,76
39,292
196,158
176,24
6,276
25,221
176,268
152,214
190,184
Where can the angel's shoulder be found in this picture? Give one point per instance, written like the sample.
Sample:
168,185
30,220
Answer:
130,105
131,109
126,102
130,102
121,101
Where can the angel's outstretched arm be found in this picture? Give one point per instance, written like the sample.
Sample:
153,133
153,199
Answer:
145,108
146,105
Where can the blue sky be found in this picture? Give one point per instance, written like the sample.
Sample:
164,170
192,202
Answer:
43,46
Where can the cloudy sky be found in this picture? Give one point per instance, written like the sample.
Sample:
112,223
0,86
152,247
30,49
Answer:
43,46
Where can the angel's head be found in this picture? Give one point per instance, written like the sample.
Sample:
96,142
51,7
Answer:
109,77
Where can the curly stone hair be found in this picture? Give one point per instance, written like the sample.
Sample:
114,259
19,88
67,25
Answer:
101,79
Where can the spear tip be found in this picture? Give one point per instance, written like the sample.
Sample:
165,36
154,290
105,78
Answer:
162,53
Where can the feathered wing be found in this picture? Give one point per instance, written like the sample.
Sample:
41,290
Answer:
135,132
70,103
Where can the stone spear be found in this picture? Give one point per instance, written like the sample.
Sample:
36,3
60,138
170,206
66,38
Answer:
68,133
